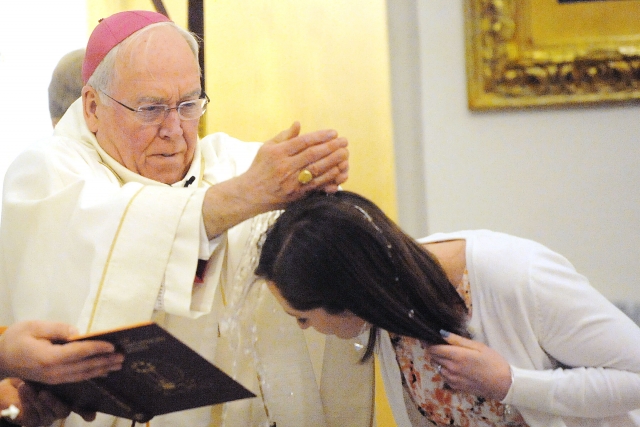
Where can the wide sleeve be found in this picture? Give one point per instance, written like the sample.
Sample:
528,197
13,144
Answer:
79,245
596,348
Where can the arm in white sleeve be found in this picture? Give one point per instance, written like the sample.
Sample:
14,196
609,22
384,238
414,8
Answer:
596,346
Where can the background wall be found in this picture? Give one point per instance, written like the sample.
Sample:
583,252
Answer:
33,38
97,9
324,63
568,178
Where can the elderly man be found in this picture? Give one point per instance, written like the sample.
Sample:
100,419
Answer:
125,216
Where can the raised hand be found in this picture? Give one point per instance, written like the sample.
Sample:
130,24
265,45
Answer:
273,180
283,157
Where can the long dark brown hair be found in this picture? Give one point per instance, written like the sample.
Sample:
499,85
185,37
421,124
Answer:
341,252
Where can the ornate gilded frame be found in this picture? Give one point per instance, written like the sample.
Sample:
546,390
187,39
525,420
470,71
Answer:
510,66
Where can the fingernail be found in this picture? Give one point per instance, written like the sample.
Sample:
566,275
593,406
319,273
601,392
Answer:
444,334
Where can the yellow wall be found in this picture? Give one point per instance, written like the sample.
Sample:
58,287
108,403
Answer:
97,9
322,62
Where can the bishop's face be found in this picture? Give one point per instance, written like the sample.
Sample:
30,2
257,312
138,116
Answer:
157,68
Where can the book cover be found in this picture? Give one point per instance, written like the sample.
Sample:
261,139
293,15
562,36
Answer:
160,374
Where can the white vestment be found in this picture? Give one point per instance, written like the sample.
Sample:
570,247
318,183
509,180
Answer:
88,242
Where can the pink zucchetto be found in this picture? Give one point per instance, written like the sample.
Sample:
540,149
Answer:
111,31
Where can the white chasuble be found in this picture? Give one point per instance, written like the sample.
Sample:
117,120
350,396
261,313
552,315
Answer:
88,242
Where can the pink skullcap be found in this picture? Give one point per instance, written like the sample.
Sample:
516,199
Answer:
111,31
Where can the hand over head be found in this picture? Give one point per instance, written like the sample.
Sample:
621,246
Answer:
282,158
272,180
472,367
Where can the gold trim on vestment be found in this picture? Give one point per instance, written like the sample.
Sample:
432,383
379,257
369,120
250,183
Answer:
106,266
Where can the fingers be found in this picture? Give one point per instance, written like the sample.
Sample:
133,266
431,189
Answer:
343,174
337,159
286,134
472,367
322,153
86,415
79,350
52,331
293,143
333,185
9,393
300,143
40,407
458,349
329,171
97,366
52,407
459,341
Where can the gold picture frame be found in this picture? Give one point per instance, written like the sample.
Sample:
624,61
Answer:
534,53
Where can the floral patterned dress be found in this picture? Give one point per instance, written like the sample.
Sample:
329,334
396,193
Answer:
440,405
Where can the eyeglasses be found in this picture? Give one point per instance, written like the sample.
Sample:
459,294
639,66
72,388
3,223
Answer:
154,114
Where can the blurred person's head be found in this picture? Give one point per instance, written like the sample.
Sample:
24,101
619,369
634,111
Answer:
66,84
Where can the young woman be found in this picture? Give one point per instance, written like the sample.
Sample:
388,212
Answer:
474,328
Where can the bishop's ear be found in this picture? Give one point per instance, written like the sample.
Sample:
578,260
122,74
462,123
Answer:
90,103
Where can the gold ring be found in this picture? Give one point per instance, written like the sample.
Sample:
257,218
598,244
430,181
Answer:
305,176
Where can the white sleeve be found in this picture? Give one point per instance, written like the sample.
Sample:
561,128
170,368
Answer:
596,346
207,246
